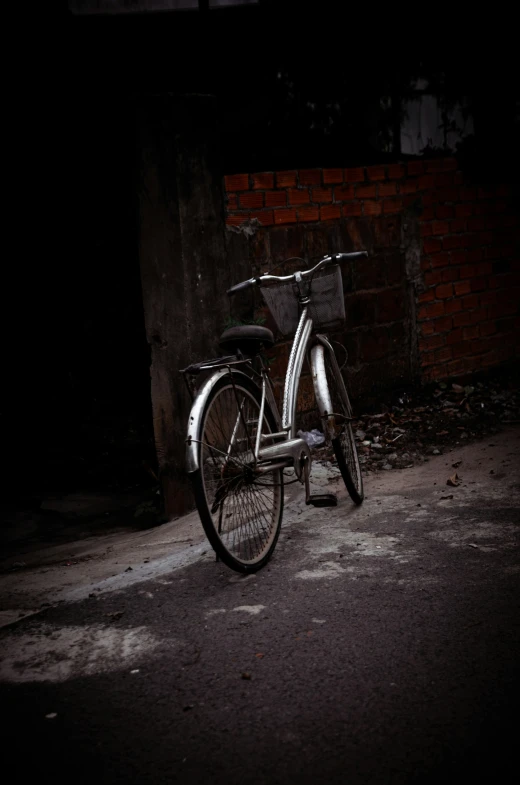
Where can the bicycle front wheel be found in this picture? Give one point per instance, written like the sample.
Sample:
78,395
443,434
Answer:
240,510
343,441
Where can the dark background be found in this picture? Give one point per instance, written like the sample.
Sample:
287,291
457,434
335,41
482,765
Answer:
296,87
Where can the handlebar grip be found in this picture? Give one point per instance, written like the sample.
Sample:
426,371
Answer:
241,286
344,256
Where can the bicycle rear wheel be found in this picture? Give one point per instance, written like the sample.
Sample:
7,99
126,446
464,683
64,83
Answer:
343,441
240,510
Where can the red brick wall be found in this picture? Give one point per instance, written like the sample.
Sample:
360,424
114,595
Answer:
467,288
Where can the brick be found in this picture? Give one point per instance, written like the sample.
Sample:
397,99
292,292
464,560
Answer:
488,298
455,336
433,279
467,271
484,268
355,208
463,210
462,319
426,297
443,180
264,216
236,220
459,178
470,302
457,225
474,255
285,179
392,205
236,182
425,263
232,201
427,328
454,368
444,211
387,189
449,274
322,194
426,229
285,216
443,325
431,245
440,227
467,194
441,165
447,194
444,291
478,284
275,198
344,193
443,355
308,214
263,180
372,208
460,349
431,310
376,172
415,167
298,195
409,186
309,176
425,181
452,306
458,257
477,224
428,214
251,200
440,259
470,333
433,342
488,328
329,212
396,171
428,359
452,241
462,287
366,191
332,176
355,175
479,316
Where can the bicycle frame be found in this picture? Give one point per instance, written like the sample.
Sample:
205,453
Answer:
281,448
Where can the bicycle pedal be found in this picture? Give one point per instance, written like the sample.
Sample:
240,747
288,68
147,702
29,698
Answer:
323,500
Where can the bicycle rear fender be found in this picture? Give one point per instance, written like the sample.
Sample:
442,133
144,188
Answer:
197,410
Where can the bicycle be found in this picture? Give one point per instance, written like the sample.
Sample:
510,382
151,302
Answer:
238,445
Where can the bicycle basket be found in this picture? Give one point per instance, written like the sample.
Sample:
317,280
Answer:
326,308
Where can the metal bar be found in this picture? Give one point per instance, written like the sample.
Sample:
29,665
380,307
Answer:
260,420
293,373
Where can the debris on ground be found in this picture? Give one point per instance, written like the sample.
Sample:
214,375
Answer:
414,425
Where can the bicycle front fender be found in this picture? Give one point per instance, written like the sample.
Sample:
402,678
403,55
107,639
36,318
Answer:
319,380
196,413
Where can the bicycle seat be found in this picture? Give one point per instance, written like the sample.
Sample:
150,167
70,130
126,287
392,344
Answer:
249,338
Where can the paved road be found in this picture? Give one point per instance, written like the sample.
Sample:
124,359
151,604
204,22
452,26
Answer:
381,645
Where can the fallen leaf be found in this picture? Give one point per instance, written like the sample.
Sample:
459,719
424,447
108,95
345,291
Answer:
456,464
259,655
447,497
453,480
442,433
115,616
457,388
246,676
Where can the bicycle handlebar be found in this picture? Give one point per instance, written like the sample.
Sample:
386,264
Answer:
333,259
